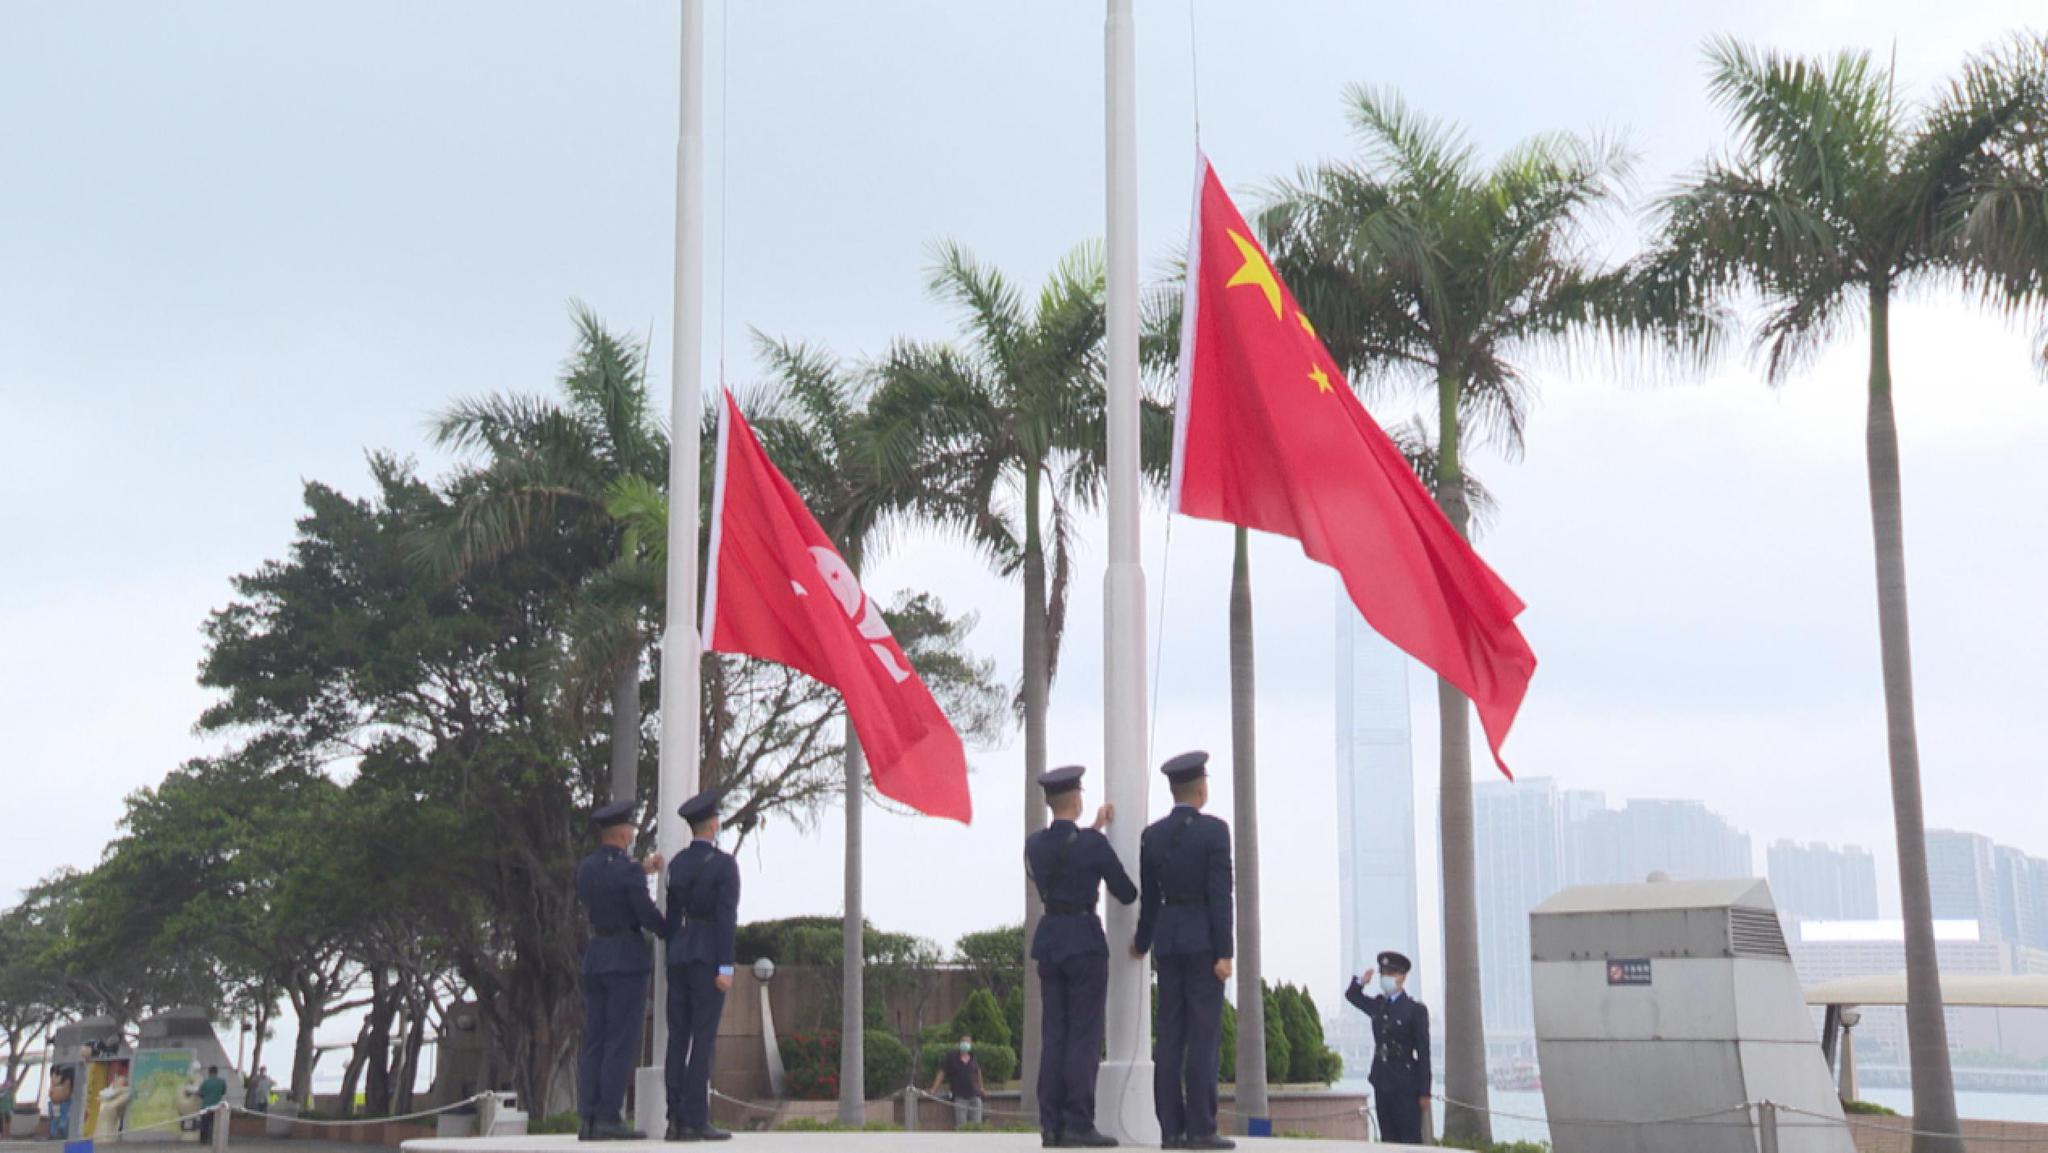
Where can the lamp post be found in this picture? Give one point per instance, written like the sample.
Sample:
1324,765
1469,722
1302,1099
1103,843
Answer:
764,972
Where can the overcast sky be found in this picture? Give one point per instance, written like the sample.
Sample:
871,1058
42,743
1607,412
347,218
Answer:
243,243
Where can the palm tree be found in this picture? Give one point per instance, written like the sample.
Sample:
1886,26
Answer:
1837,198
1420,263
1013,425
552,467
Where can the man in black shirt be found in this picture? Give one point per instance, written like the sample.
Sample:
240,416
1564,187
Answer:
961,1074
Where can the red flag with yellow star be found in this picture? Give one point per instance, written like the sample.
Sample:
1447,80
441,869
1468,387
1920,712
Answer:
1268,436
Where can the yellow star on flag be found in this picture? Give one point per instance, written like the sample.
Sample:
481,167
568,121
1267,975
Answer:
1322,379
1254,271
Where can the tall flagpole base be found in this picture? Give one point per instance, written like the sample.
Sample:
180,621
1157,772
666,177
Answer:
1123,1102
650,1101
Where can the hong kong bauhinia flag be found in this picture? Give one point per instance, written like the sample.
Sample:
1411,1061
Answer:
1268,435
775,588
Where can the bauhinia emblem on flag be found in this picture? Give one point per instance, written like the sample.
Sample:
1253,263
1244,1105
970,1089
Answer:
776,589
1268,436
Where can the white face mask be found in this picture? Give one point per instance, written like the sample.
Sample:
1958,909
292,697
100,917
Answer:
966,1047
1388,985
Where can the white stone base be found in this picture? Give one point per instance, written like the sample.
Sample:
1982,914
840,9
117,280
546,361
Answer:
1123,1102
650,1101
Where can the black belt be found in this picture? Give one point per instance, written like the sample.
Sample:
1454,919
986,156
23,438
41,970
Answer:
1061,909
1187,900
615,932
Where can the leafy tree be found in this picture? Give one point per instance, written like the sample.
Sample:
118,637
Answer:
30,997
995,957
1837,198
1420,264
552,468
1279,1046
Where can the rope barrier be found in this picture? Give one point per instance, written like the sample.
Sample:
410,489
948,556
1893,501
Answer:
1899,1126
1691,1119
476,1099
986,1108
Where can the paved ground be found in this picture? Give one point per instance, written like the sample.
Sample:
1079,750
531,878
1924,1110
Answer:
780,1142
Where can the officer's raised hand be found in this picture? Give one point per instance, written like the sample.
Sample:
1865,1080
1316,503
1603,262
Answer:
652,865
1103,816
1366,980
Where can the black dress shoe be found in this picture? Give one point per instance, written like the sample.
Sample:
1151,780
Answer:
676,1132
1212,1141
1051,1140
709,1133
584,1130
615,1131
1090,1139
1172,1141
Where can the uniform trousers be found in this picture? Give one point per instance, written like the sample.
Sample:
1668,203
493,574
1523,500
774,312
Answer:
1185,1056
694,1006
1072,994
1400,1113
613,1007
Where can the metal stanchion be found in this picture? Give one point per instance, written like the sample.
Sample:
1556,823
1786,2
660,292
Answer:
223,1120
910,1104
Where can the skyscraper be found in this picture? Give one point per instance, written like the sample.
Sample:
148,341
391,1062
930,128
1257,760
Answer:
1683,839
1518,831
1962,874
1375,796
1819,882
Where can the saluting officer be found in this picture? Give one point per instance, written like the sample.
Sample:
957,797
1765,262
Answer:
1184,919
1069,865
613,889
1400,1051
703,917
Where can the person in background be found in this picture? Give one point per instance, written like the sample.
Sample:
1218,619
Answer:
1400,1049
212,1091
260,1087
962,1075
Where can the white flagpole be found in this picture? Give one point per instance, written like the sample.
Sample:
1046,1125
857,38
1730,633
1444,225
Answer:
681,647
1124,1087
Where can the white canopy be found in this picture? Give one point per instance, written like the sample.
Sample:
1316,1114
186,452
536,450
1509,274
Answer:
1957,989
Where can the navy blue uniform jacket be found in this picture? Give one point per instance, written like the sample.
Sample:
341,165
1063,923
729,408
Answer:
1069,864
1185,889
703,905
1400,1035
614,891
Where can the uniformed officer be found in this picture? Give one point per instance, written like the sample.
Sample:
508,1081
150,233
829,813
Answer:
1069,865
1184,919
1400,1049
613,889
703,916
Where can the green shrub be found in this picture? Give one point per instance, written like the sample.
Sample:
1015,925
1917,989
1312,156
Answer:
555,1123
982,1019
1498,1146
888,1064
998,1062
1868,1109
1013,1013
810,1063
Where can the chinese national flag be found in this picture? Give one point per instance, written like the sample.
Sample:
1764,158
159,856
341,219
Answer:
776,589
1269,436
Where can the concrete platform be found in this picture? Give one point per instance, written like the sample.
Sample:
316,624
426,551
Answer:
776,1141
